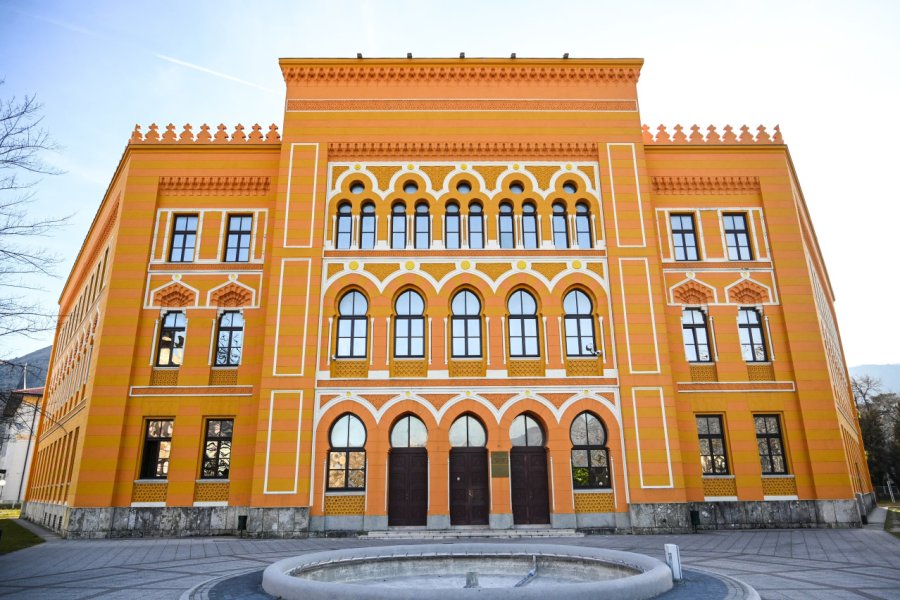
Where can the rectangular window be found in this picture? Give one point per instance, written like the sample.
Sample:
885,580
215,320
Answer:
217,449
736,236
237,247
230,339
684,237
713,459
753,343
184,238
157,448
170,346
696,335
476,228
347,469
771,446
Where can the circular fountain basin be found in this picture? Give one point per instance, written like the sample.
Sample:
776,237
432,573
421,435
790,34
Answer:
471,570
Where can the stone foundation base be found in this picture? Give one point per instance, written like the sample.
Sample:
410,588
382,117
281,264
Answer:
769,514
168,521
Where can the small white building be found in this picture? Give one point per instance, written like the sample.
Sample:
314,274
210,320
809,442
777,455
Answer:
17,441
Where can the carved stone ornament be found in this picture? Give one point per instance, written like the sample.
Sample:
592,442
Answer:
748,292
693,292
231,296
174,295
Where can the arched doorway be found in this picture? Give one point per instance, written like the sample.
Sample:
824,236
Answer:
469,494
408,473
529,480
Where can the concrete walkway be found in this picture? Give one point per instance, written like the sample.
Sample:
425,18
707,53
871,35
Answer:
781,564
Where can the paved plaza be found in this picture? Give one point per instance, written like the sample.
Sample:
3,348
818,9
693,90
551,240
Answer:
779,564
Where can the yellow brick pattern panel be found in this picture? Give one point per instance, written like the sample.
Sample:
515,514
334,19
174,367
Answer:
490,175
583,367
543,175
383,175
594,503
719,486
350,369
437,175
150,492
223,377
381,270
467,368
549,270
525,368
409,368
763,372
438,270
494,270
779,486
345,505
164,377
211,491
704,373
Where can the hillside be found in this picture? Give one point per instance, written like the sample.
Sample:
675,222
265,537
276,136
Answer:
888,374
11,370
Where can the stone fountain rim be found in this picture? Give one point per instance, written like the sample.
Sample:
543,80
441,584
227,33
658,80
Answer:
653,578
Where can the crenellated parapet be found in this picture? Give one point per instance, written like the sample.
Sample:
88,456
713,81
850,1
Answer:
205,136
712,136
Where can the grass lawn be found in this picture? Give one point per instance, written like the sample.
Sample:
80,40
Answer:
15,537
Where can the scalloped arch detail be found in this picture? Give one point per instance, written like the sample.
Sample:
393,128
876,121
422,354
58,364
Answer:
748,292
693,292
175,295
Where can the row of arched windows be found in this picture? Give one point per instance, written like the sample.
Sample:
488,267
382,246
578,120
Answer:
587,433
463,231
465,325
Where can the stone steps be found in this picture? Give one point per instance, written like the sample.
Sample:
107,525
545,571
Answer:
452,534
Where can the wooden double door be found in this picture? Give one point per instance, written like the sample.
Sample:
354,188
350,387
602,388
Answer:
530,485
408,486
469,492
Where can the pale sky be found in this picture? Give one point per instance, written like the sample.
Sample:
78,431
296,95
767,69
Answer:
826,71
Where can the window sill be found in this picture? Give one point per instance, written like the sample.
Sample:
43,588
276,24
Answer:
348,493
211,480
718,476
152,481
593,491
778,475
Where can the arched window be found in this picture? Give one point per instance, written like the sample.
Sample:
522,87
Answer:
367,227
352,326
467,432
422,227
229,339
523,325
583,225
466,325
170,349
507,238
409,326
526,431
451,227
529,226
590,458
476,226
398,226
560,227
579,324
409,432
344,226
347,456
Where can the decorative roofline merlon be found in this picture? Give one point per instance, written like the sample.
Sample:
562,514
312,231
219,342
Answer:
729,137
436,70
221,136
470,150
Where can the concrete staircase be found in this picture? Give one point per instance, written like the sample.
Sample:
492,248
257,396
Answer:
453,534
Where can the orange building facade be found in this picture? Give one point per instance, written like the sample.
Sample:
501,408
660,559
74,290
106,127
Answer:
452,292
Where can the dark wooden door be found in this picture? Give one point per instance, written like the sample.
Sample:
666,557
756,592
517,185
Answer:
530,486
408,486
469,496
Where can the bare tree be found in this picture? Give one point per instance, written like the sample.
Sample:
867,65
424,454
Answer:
865,388
23,260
